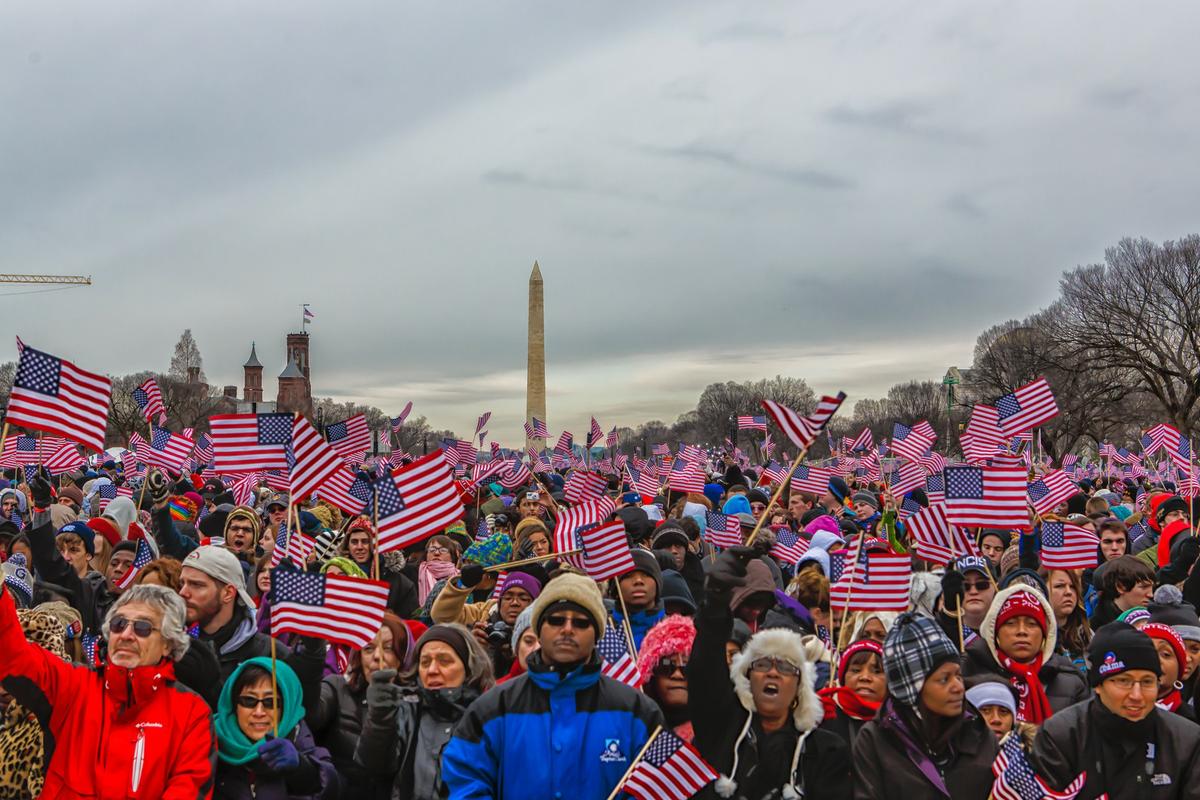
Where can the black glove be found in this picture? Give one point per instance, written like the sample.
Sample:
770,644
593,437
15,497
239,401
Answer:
158,486
471,576
952,590
729,570
1183,555
383,696
42,491
312,646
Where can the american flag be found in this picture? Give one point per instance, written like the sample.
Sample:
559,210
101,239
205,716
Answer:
458,451
53,452
53,395
570,522
934,462
606,552
936,539
595,434
982,435
149,401
105,492
247,442
768,446
612,440
1049,491
908,507
803,430
482,421
685,476
280,551
583,486
1026,408
986,496
1181,455
244,487
1017,780
203,453
338,608
911,476
1161,436
875,581
566,441
485,471
398,422
750,423
670,769
814,480
165,449
912,443
1107,450
415,502
645,481
516,474
539,429
317,468
661,449
615,660
1067,546
92,649
141,557
350,437
788,547
723,530
864,441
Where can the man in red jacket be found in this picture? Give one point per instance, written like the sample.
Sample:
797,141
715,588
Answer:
125,729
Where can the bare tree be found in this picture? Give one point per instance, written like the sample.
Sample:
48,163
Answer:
186,364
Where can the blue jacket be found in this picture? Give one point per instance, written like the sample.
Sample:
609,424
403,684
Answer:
640,622
548,735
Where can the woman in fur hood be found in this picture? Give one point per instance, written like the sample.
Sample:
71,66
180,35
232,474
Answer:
756,720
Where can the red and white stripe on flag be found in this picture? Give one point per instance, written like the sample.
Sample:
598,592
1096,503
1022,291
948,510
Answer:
248,442
1029,406
803,430
1051,490
1067,546
987,496
670,769
879,585
416,501
606,552
936,540
566,530
912,476
53,395
319,469
337,608
583,486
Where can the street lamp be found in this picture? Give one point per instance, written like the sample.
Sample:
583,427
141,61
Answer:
953,378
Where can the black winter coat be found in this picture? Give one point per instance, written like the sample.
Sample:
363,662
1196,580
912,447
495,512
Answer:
336,717
1063,682
1089,737
315,779
891,764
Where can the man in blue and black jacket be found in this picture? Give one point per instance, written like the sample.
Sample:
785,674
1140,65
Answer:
563,729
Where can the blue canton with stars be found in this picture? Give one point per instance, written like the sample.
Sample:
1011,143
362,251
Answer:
964,483
160,438
611,645
1038,490
274,429
336,432
665,745
391,502
38,372
1052,534
293,586
1008,406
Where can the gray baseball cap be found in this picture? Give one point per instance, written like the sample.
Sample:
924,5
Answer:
223,566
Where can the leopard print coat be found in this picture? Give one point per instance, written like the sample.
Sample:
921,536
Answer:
23,748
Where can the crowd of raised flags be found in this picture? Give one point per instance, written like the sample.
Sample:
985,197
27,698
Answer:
884,531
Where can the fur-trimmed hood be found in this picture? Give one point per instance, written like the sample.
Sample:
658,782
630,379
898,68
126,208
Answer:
987,631
781,643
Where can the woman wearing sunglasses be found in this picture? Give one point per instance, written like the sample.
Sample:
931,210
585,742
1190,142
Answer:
122,729
662,662
264,748
756,720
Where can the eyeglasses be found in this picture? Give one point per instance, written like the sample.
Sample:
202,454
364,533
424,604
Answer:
436,550
560,621
668,667
1126,684
240,529
976,586
780,665
141,627
251,702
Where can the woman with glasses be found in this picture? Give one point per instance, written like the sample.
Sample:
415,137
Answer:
403,735
662,663
756,720
123,729
441,556
264,748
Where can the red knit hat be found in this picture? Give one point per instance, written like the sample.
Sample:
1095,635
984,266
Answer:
1022,604
1156,630
862,645
105,527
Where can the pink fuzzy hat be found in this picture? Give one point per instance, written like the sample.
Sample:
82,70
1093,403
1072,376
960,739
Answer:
672,636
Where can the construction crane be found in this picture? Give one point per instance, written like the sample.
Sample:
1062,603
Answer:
77,280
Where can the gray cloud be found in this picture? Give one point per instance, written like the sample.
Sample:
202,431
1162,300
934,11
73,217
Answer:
717,156
906,117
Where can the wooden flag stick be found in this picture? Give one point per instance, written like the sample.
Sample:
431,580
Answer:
274,690
375,525
533,560
617,789
775,497
625,622
3,437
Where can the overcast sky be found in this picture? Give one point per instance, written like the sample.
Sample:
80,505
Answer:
714,191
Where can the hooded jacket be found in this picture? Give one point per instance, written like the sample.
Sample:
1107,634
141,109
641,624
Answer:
116,732
549,734
240,640
727,731
1063,682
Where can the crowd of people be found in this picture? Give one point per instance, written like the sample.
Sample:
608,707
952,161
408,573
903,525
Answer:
490,678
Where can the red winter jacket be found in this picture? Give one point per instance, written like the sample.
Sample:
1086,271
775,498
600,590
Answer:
117,733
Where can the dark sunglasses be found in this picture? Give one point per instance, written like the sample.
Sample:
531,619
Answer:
979,586
252,702
561,620
782,666
667,667
141,627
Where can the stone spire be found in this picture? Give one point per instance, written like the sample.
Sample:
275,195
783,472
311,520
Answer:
535,370
252,371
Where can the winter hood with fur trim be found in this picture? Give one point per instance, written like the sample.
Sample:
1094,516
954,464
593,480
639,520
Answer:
987,631
780,643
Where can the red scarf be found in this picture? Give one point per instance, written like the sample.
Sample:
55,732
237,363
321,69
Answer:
851,704
1172,701
1033,705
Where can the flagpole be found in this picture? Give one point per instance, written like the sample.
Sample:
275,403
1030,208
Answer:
775,497
625,621
533,560
142,493
375,525
850,588
274,688
3,436
617,789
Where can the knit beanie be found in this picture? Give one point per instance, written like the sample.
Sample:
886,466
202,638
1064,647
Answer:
1119,647
1022,604
867,497
644,561
495,549
1157,630
522,580
450,636
914,648
18,579
992,693
1169,608
86,533
577,590
1136,616
838,488
523,622
861,646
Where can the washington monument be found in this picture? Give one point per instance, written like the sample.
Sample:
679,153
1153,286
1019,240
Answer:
535,369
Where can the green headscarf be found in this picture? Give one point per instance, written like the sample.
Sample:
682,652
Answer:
232,745
348,567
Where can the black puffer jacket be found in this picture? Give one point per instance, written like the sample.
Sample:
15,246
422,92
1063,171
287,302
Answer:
1113,751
